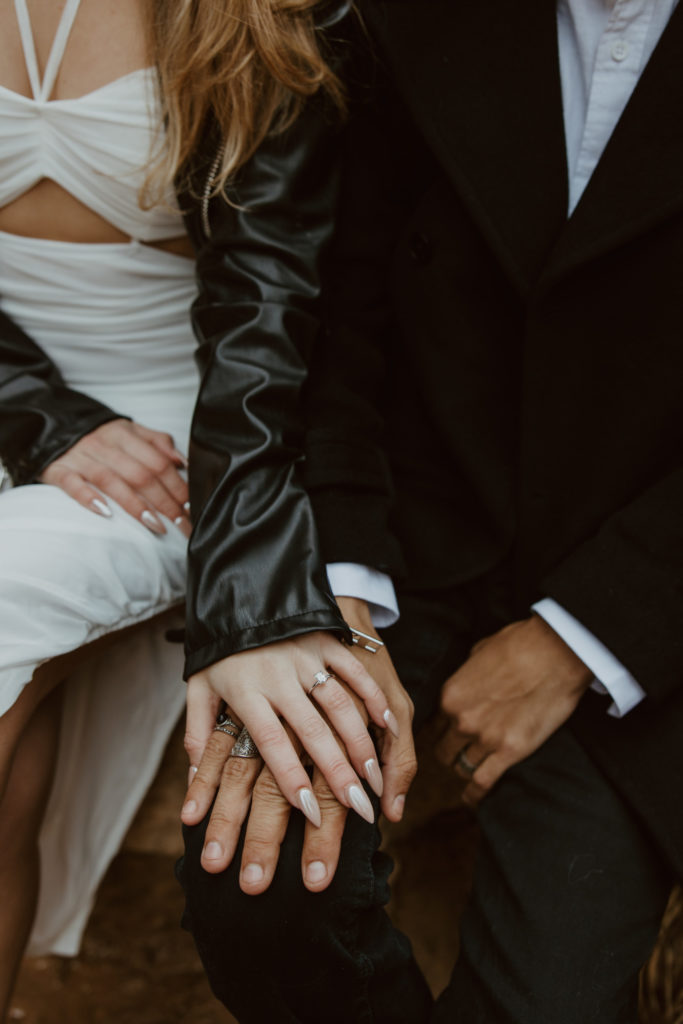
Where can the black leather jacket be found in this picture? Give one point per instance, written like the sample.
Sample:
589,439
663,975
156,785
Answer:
255,574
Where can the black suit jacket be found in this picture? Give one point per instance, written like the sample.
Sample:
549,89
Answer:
500,382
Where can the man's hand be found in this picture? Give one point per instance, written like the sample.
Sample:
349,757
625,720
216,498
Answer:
516,688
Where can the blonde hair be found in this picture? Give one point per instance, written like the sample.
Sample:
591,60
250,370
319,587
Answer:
248,64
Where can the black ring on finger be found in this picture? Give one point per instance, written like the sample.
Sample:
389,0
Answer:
227,725
463,762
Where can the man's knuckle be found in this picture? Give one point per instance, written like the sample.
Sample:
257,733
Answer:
236,768
266,788
260,844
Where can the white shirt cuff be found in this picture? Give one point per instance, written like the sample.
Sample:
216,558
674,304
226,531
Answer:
347,579
611,677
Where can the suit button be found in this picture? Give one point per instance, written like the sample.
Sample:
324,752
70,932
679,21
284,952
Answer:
420,248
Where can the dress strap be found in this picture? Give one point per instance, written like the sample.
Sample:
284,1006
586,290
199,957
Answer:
42,91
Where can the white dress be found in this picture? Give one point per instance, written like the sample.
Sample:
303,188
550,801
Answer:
114,318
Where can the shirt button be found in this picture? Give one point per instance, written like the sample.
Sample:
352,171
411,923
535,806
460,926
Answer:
620,50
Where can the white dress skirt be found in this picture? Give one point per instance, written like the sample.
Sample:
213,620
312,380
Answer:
114,318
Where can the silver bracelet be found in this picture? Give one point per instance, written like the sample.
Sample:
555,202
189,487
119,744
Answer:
364,640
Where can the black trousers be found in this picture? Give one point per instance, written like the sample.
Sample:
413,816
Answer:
566,904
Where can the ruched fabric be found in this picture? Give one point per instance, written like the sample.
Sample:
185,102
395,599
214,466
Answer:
96,146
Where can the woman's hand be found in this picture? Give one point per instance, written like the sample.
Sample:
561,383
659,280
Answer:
136,466
273,686
235,779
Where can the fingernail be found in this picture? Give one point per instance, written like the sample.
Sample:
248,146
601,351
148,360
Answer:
151,522
190,807
360,803
399,806
373,774
179,455
180,520
101,508
186,506
191,774
316,871
309,805
253,873
213,850
392,724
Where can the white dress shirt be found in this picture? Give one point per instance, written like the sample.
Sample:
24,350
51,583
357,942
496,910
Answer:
603,47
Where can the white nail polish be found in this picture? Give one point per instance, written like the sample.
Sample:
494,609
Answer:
191,774
360,803
101,508
151,522
179,520
309,805
186,506
373,774
392,724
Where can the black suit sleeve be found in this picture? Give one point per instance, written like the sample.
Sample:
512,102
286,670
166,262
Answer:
40,417
346,470
625,585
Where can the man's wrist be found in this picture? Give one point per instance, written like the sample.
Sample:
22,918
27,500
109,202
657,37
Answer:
576,671
356,612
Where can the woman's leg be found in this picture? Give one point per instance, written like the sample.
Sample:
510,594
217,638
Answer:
29,737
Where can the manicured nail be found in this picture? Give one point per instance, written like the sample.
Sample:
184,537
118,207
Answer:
191,774
213,850
180,520
392,725
309,805
152,523
316,871
186,506
360,803
190,807
181,458
399,806
373,774
253,873
101,508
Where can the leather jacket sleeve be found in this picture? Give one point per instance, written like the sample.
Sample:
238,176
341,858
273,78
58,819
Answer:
40,417
255,574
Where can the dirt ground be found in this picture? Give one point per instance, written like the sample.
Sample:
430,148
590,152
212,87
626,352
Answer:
138,967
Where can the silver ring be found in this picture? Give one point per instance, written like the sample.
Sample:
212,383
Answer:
463,762
320,678
224,723
244,746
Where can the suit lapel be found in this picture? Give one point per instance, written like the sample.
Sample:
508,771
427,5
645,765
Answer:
639,180
482,81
